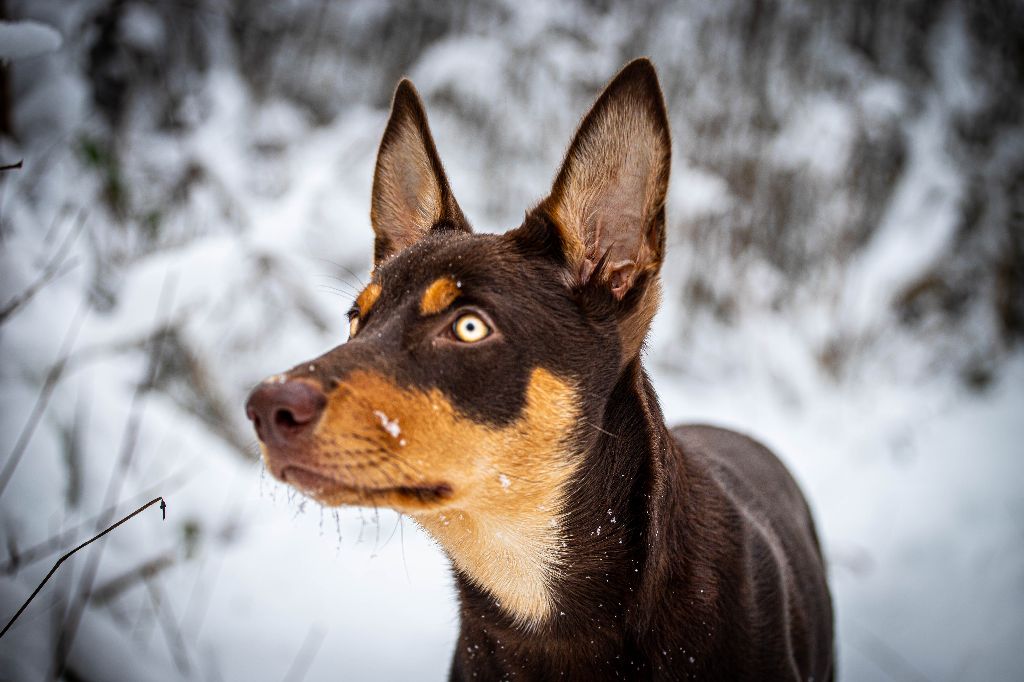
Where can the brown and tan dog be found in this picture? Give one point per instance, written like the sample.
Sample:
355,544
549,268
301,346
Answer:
492,390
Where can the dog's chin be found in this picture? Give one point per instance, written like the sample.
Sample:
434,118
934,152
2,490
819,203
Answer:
333,493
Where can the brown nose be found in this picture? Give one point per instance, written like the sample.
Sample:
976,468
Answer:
283,411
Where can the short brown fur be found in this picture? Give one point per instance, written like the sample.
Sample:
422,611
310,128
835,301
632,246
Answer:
587,539
498,519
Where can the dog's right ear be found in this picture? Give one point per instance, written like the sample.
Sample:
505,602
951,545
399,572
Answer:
608,200
411,195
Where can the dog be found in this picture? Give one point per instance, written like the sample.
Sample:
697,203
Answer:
492,390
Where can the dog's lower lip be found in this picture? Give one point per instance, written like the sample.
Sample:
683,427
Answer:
320,485
307,480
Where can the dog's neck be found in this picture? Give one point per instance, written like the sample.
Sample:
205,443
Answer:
584,567
511,556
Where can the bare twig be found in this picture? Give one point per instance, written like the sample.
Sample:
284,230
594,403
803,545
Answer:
119,584
169,625
48,276
198,604
45,392
129,441
54,268
12,545
71,450
207,402
50,546
66,556
307,652
99,351
13,166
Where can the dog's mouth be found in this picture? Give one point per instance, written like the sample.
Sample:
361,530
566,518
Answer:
331,492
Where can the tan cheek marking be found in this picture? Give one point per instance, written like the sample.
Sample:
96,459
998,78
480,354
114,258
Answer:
502,524
439,295
367,298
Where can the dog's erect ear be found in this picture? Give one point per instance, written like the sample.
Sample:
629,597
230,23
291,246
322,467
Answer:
411,195
608,201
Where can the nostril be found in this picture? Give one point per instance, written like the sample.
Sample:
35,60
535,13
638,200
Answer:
286,419
282,411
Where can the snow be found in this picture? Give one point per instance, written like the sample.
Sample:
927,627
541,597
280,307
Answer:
142,28
23,39
913,475
694,192
918,224
818,135
389,425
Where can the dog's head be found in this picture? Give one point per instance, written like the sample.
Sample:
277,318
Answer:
478,366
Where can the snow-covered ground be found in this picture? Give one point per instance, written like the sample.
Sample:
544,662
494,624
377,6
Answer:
198,255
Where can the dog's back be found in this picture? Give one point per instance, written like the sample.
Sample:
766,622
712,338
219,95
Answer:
760,536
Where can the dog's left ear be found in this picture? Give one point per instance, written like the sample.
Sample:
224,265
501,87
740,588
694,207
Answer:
608,200
411,195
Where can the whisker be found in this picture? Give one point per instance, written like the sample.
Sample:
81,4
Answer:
342,267
402,462
394,530
376,521
401,536
374,440
598,428
338,292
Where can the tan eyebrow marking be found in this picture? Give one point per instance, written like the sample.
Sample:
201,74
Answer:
368,297
439,295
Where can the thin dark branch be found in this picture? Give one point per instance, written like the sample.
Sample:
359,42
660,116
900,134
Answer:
50,546
45,392
13,166
67,555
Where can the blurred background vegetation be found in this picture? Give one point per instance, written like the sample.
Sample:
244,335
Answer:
847,211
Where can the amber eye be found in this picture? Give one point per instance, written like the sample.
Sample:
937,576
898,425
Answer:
470,328
353,326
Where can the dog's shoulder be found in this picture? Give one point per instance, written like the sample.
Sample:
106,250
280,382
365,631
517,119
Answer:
739,463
